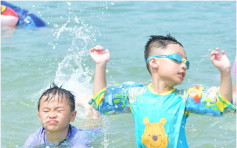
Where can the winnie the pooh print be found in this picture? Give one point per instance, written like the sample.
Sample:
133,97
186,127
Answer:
154,135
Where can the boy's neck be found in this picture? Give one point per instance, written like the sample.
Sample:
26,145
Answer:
57,136
160,87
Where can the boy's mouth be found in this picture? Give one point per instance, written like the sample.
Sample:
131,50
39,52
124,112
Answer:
182,74
52,121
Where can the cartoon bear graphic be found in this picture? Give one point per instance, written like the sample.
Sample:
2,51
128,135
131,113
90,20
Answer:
154,135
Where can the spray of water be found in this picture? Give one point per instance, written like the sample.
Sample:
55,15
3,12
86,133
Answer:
72,71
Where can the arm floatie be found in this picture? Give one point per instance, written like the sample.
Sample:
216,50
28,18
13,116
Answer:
207,101
113,99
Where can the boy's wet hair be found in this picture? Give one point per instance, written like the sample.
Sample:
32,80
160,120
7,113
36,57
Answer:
61,93
158,41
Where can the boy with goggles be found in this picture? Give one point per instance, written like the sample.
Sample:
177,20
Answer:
159,109
174,57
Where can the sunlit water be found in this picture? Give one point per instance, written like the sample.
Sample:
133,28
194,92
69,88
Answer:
32,59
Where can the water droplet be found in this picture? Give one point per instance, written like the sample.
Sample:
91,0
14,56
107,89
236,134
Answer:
68,3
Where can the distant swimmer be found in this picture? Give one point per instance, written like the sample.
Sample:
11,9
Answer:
15,16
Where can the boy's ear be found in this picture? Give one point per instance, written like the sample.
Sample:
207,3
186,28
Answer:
154,63
73,115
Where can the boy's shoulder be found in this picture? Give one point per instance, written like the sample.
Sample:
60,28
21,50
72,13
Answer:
136,91
181,92
197,88
81,137
74,132
38,137
39,134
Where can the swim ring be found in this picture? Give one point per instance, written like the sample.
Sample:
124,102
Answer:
15,16
8,16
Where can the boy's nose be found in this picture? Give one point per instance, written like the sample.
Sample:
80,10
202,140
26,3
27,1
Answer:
52,114
184,66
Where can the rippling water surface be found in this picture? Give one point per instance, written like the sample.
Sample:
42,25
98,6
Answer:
32,59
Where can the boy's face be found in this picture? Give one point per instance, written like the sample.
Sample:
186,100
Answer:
171,72
55,115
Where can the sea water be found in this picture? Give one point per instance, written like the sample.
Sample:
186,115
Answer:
32,59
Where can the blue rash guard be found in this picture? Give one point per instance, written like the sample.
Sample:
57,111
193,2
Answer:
160,119
76,138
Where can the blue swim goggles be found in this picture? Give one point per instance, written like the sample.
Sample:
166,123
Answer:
174,57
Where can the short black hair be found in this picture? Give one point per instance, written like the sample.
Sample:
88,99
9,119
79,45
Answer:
61,93
158,41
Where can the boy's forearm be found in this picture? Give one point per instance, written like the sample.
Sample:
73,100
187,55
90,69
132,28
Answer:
226,85
100,78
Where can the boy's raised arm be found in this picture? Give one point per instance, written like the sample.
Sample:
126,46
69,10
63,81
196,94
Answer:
113,99
213,100
222,63
100,57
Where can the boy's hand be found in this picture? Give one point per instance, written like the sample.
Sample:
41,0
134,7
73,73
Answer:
98,55
221,62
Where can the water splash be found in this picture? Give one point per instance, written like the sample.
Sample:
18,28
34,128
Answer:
72,71
105,129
